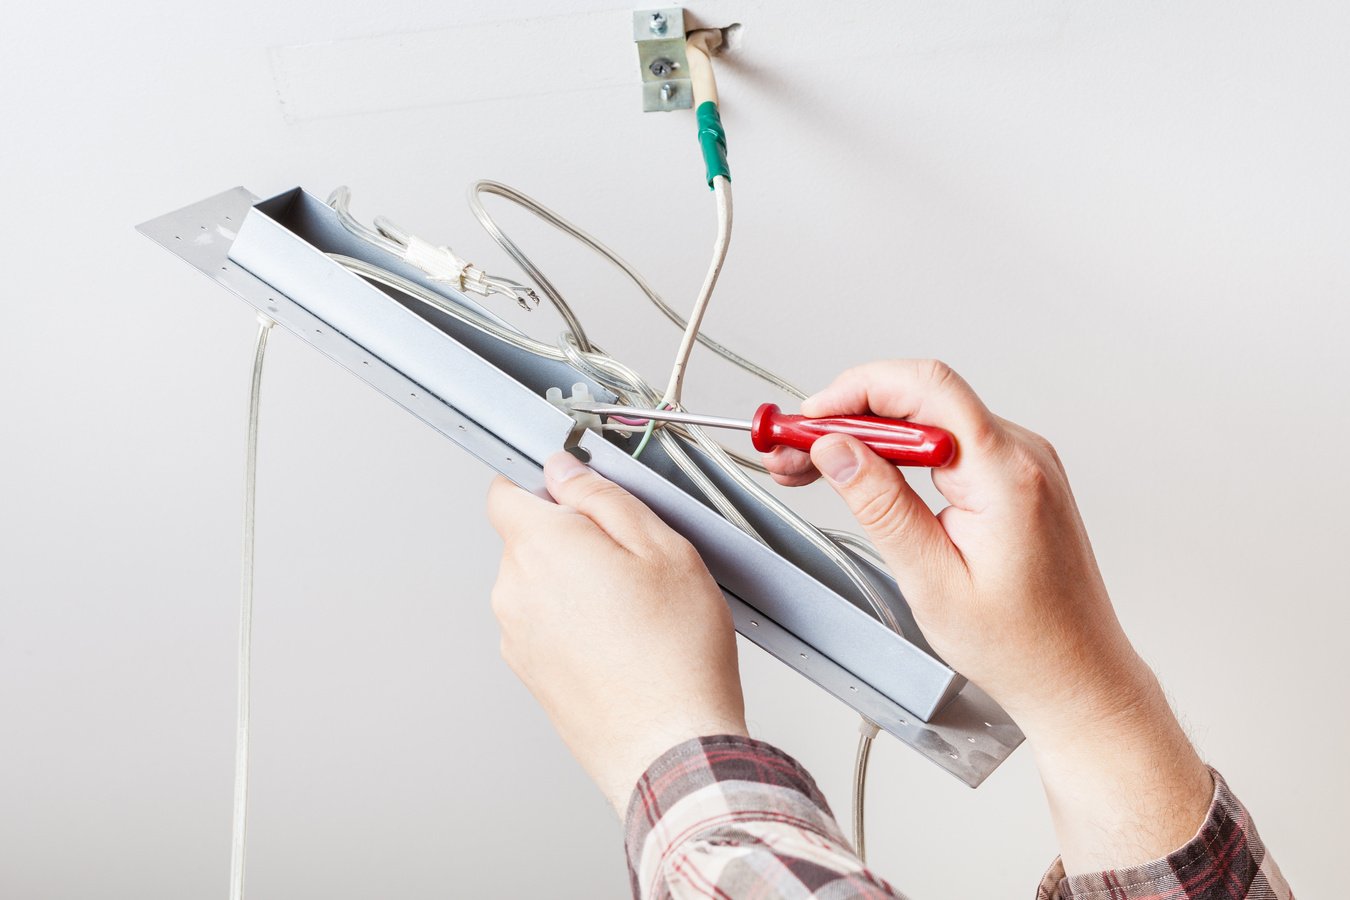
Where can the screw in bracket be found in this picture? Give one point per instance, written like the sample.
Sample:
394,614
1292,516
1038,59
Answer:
662,67
667,91
658,23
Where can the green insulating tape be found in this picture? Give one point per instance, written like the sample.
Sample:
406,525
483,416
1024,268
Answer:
713,139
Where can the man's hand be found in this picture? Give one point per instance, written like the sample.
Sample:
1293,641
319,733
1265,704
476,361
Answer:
1005,587
613,622
1003,581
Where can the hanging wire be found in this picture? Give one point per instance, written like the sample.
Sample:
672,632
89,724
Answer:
239,823
574,347
867,732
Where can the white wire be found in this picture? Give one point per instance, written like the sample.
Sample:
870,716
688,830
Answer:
867,731
632,388
239,822
533,206
722,193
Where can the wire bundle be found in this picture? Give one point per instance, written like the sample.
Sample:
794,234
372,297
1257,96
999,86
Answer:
575,347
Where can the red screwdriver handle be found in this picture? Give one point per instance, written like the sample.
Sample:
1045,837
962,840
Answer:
895,439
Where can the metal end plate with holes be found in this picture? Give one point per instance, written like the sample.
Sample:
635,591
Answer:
659,34
489,398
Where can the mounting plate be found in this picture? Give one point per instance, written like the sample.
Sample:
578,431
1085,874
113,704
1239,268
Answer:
659,34
489,398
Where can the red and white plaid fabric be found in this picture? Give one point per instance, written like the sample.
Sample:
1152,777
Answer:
735,818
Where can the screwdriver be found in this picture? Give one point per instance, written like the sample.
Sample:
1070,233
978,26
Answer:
897,440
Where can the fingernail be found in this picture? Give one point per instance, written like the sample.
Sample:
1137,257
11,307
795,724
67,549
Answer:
836,461
561,467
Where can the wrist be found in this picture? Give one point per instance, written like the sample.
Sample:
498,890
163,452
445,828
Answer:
1124,784
632,757
1116,693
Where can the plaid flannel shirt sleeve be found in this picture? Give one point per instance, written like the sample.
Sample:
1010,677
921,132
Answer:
732,817
1226,860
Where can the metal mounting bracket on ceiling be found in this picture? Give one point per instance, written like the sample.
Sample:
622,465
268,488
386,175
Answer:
659,34
491,398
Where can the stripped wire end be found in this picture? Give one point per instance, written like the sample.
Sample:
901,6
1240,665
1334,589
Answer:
526,298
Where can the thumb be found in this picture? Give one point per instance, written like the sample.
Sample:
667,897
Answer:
900,524
622,516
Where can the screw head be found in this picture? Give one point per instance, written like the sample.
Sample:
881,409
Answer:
659,23
667,91
662,67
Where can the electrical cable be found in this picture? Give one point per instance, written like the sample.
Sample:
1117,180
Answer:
575,347
722,192
633,389
440,263
547,215
536,275
239,822
855,542
867,731
607,370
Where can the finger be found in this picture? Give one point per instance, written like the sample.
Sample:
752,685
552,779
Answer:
510,507
897,520
789,466
925,391
621,515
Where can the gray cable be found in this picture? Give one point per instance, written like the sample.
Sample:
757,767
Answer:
536,275
622,379
239,823
866,734
856,542
557,221
575,348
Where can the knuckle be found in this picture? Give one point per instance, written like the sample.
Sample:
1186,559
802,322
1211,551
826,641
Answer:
983,433
937,372
880,513
602,493
1035,457
668,554
682,553
1029,471
1048,449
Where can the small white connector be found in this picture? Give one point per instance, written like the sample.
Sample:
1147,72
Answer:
581,393
443,264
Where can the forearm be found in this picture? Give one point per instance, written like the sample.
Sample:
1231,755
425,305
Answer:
732,817
1123,782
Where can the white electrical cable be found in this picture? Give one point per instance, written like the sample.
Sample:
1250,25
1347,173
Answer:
867,731
574,348
240,816
722,192
633,389
547,215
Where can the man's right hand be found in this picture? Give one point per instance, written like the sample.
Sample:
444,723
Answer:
1005,587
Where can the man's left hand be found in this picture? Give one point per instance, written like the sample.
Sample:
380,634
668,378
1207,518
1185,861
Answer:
613,622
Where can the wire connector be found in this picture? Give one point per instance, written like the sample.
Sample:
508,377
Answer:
443,264
581,393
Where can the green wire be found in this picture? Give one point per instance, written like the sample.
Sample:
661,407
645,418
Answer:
646,436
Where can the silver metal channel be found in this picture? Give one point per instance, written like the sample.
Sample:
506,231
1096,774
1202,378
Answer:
488,397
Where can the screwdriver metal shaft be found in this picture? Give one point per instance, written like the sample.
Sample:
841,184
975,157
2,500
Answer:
663,415
897,440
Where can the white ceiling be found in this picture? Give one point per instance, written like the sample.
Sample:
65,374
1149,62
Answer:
1124,223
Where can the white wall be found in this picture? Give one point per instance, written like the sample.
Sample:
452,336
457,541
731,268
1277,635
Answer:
1125,223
